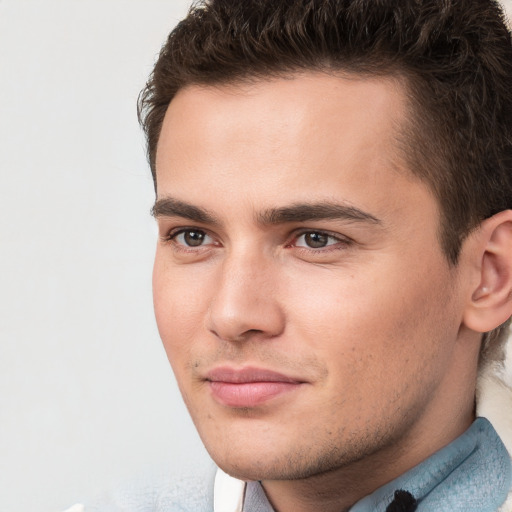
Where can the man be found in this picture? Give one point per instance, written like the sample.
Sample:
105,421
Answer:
334,200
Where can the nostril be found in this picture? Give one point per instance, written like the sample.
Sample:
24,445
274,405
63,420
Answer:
251,332
243,336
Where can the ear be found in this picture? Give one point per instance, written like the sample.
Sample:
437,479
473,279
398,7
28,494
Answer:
490,304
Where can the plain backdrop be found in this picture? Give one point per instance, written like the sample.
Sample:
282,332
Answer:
86,393
87,397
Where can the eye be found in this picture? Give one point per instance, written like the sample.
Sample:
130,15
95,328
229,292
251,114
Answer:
191,238
316,240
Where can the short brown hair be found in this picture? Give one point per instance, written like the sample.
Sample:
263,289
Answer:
455,57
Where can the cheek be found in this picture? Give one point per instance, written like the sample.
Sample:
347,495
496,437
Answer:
380,324
180,304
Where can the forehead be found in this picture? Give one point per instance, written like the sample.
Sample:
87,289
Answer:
286,139
282,110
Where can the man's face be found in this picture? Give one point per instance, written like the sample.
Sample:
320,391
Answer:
300,290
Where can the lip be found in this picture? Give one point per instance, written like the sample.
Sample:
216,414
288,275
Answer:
248,387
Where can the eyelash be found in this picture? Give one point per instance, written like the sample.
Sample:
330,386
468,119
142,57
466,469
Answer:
174,234
339,240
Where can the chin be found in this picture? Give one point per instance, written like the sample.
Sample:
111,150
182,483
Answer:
252,462
252,471
247,460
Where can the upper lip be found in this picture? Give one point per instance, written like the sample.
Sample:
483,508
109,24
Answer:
247,374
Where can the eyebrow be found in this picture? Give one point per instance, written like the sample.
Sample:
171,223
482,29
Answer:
299,212
304,212
170,207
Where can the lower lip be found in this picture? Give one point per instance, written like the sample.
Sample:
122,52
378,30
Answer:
249,394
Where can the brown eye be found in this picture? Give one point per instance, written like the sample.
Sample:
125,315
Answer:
316,240
191,238
320,240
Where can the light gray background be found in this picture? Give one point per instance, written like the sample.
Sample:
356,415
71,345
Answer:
86,394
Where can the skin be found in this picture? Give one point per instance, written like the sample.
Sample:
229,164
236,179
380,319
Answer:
371,324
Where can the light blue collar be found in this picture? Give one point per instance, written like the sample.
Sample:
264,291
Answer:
471,474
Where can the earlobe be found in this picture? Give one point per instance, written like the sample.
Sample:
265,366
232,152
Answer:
491,300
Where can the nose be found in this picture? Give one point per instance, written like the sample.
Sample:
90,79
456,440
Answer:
244,304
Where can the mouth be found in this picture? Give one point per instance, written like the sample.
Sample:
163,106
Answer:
248,387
